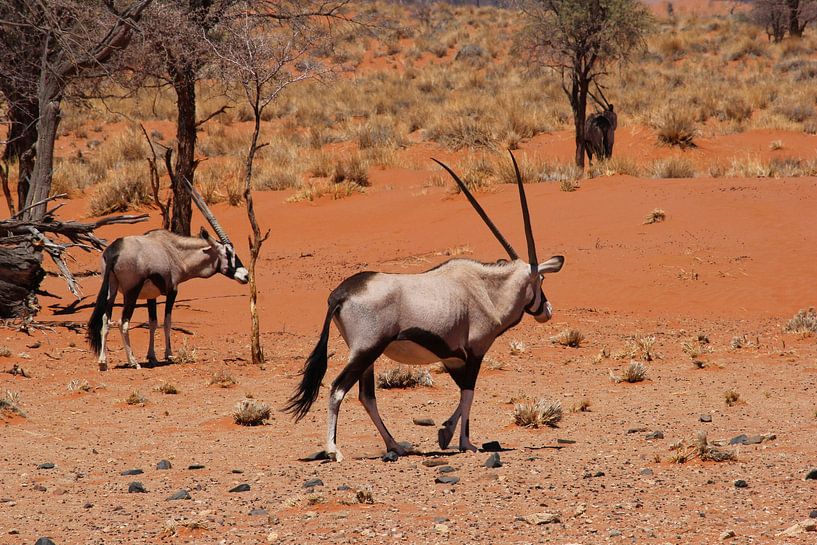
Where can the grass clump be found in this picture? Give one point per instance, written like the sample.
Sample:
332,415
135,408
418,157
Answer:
223,379
404,377
135,398
185,354
582,406
351,170
249,412
676,128
702,449
10,404
635,372
364,496
804,322
672,167
656,216
569,337
77,385
167,388
731,398
538,414
5,352
518,347
126,191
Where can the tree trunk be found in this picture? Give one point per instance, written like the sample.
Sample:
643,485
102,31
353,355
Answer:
795,30
49,120
255,240
578,102
184,82
23,113
20,275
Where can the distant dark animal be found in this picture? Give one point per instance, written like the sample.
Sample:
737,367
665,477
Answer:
600,134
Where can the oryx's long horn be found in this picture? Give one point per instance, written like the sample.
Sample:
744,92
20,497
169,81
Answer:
206,211
605,105
525,214
505,244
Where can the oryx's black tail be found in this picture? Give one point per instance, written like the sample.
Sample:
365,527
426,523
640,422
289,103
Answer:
94,333
314,369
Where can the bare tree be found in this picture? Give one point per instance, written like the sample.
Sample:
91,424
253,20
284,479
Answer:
801,13
264,56
581,40
773,16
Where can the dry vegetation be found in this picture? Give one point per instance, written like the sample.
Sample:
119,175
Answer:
404,377
249,412
702,449
569,337
804,322
223,379
10,404
634,372
538,414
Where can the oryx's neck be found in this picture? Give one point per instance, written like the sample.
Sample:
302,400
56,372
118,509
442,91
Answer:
189,256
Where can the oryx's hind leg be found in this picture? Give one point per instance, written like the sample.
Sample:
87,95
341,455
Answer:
113,287
171,298
359,362
153,324
466,378
128,306
367,398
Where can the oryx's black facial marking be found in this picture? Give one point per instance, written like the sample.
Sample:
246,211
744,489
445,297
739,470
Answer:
539,307
431,342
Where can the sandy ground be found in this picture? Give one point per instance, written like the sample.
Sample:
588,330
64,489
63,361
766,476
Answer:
735,257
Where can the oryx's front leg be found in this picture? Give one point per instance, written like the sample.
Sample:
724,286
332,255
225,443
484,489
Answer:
113,287
466,378
367,398
359,362
128,306
171,298
153,323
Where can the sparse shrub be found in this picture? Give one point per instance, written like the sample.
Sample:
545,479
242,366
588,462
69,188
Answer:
805,321
364,496
222,379
404,377
249,412
615,165
672,167
582,406
314,191
569,337
747,47
676,128
5,352
352,170
518,347
635,372
656,216
645,346
738,342
776,145
168,388
538,414
797,112
702,449
77,385
731,397
568,185
185,354
462,131
135,398
126,191
10,404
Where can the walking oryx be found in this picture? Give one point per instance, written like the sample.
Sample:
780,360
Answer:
451,313
600,129
145,266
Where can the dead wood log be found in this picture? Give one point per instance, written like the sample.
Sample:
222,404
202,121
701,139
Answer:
20,275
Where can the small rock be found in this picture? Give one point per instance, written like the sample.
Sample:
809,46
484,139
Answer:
163,464
441,529
769,437
812,475
258,512
47,465
87,505
740,483
423,422
614,533
243,487
581,509
132,472
180,495
136,488
658,434
344,487
434,462
39,487
813,514
636,430
492,446
195,466
754,440
446,469
272,537
537,519
236,471
598,474
739,439
440,519
705,418
390,456
727,534
493,461
808,525
44,541
447,479
646,471
312,483
14,531
565,441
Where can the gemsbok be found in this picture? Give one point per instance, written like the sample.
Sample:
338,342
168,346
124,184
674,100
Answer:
153,264
450,314
600,129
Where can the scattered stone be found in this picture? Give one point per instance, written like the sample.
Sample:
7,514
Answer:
195,466
272,537
136,488
447,479
614,533
493,461
537,519
705,418
740,483
446,469
243,487
180,495
598,474
258,512
312,483
636,430
739,439
492,446
565,441
727,534
47,465
441,529
812,475
316,456
754,440
39,488
769,437
87,505
163,464
44,541
657,434
390,456
14,531
813,514
344,487
132,472
808,525
423,422
646,471
434,462
581,509
440,519
236,471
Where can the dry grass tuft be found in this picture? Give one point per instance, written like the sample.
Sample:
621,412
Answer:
185,354
676,128
582,406
645,347
135,398
10,404
731,398
364,496
317,190
126,191
249,412
702,449
223,379
404,377
518,347
569,337
5,352
672,167
352,170
656,216
538,414
167,388
77,385
805,322
635,372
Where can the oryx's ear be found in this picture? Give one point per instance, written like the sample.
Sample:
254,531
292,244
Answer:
552,265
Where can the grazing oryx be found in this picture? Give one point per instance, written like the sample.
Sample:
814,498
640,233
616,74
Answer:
451,314
145,266
600,129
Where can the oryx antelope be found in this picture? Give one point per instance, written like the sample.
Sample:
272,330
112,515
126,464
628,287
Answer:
153,264
451,314
600,129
